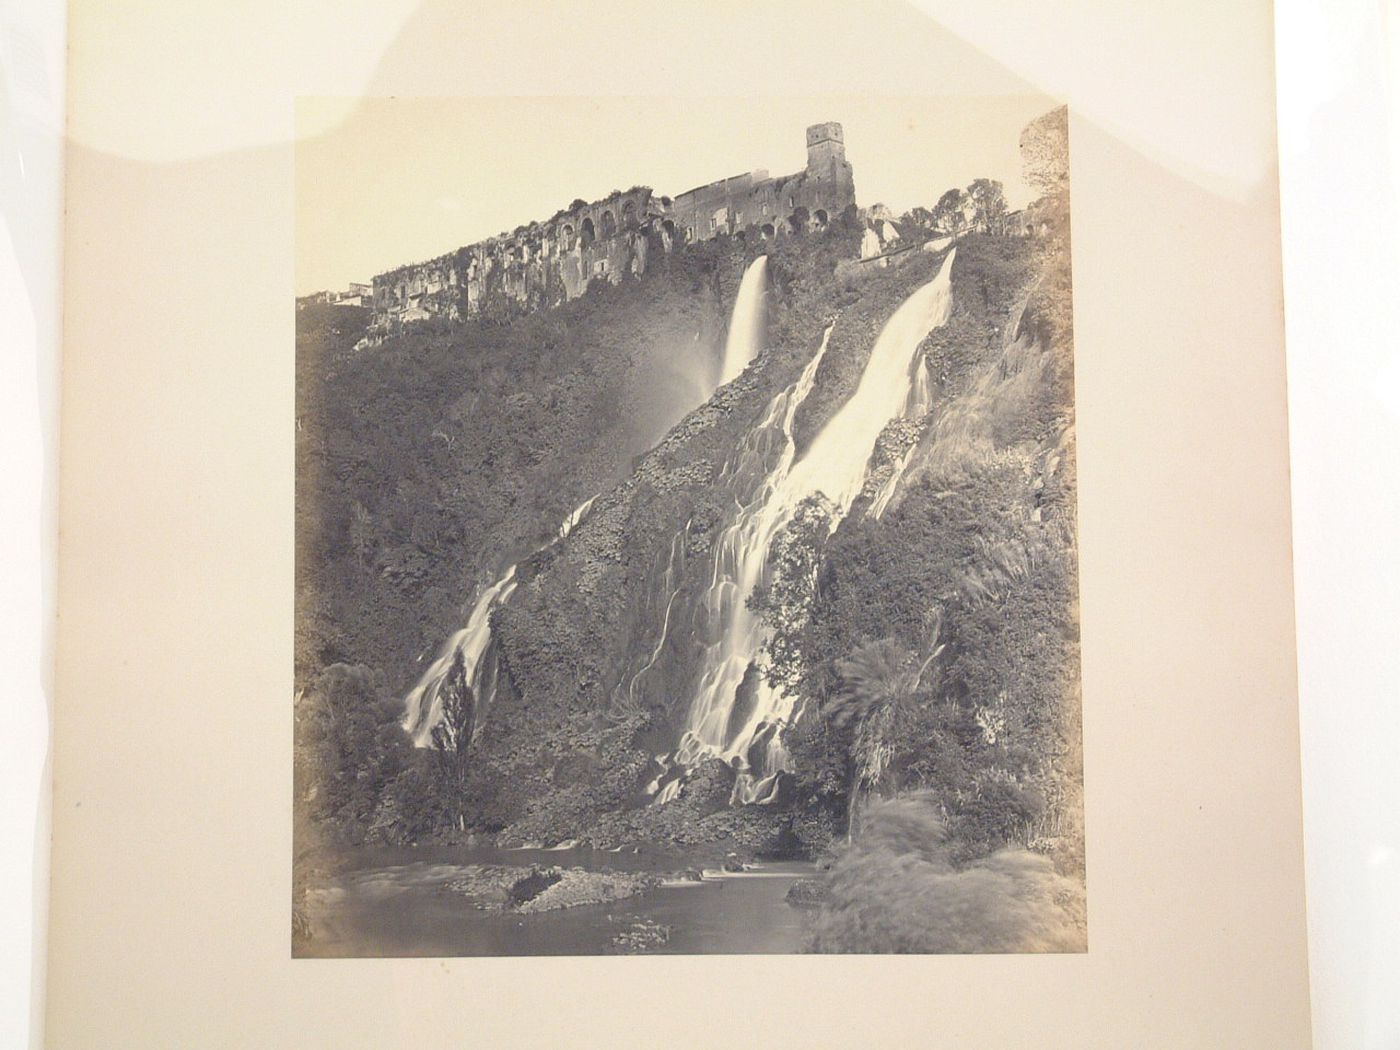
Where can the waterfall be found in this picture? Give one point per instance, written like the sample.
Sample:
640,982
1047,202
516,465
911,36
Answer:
834,466
625,701
748,326
920,402
423,705
571,522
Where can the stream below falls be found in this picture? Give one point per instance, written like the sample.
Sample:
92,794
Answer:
397,902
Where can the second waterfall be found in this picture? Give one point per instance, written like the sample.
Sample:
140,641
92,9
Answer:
748,735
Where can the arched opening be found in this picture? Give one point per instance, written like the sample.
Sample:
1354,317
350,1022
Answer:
568,237
768,232
609,225
586,237
669,227
821,217
629,215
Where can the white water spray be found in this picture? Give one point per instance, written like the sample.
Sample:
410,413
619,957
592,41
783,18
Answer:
920,403
835,467
571,522
748,327
423,705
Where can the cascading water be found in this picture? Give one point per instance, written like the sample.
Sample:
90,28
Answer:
920,403
835,467
423,705
748,327
625,699
571,522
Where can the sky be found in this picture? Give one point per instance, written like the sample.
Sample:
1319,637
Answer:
406,179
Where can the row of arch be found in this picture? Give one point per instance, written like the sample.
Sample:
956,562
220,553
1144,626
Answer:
607,227
768,230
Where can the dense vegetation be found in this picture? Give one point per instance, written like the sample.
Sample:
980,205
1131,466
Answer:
938,649
428,464
899,888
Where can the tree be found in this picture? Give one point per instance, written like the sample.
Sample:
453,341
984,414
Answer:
786,602
919,217
348,745
878,679
452,736
949,214
988,205
361,532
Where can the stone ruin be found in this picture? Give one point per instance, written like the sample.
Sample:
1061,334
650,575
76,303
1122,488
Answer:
542,264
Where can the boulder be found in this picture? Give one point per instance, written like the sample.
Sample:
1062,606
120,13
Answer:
807,893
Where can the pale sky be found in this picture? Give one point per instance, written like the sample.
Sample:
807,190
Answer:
407,179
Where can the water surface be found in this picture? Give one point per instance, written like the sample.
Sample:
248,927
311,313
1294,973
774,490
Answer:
396,903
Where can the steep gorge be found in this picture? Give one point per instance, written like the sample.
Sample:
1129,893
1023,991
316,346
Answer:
916,523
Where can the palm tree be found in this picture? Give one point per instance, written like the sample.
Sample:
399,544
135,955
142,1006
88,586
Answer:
878,679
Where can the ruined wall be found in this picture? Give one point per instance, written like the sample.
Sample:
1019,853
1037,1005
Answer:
774,207
545,263
535,266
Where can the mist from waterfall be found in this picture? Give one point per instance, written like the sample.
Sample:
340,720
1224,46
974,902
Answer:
834,466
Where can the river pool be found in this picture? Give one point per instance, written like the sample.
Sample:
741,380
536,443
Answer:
397,903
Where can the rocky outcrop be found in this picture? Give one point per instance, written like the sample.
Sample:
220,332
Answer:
807,893
533,890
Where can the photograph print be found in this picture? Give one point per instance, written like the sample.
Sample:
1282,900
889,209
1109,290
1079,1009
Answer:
690,567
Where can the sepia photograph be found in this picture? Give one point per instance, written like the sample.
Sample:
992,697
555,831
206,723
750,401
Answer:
686,547
602,521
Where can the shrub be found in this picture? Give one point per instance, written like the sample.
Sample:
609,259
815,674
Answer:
897,889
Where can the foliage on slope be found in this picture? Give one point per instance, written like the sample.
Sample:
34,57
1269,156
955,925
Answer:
949,624
429,463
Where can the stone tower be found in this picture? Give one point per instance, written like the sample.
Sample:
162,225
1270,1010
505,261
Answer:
826,153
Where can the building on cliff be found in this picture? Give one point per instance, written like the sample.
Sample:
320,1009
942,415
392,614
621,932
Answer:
355,295
542,264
